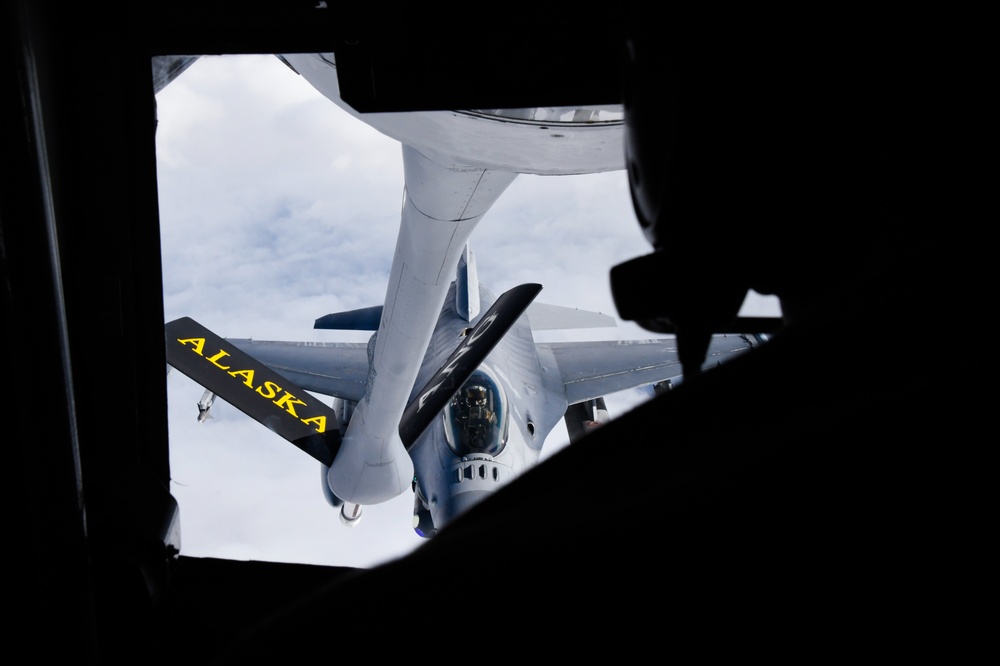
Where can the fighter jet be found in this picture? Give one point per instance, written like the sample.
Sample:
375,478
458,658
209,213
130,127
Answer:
486,397
456,165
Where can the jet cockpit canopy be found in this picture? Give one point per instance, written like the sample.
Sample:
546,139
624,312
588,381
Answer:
476,418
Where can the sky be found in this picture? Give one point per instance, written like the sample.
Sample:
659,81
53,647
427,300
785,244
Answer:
277,207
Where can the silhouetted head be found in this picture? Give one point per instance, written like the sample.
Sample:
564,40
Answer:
763,152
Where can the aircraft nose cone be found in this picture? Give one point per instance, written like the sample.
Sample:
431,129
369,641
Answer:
473,479
459,504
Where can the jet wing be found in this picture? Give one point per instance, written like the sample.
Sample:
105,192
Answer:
338,369
592,370
545,317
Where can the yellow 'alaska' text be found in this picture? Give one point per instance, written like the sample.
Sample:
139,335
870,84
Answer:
267,389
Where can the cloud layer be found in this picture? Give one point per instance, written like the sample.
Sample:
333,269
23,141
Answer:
277,207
